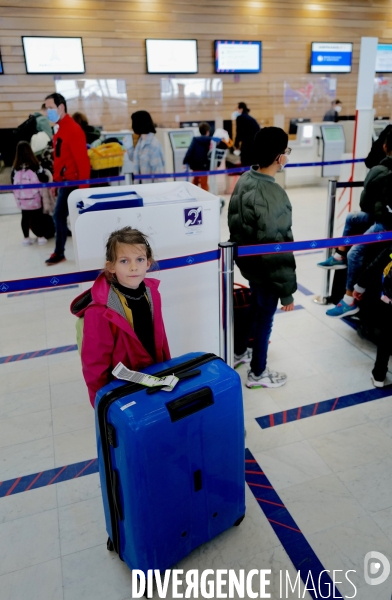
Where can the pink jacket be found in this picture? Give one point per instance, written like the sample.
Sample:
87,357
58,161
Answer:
108,338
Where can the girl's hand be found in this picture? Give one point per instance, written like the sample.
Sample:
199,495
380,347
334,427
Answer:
288,308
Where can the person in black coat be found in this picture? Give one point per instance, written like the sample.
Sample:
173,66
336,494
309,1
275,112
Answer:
197,155
377,153
247,127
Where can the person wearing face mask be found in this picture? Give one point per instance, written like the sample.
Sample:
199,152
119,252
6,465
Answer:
260,213
71,162
333,113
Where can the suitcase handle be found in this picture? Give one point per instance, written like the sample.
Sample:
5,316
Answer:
180,376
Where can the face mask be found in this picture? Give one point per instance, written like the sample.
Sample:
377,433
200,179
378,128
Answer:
338,108
53,115
234,115
283,166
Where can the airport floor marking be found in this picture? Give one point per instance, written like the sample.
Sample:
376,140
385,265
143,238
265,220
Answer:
37,353
286,529
304,290
325,406
49,477
44,291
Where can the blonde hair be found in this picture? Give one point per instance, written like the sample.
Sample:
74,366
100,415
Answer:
126,235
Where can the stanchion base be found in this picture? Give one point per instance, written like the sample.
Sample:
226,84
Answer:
322,300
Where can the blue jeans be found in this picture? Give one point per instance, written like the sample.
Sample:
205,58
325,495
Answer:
259,321
60,219
358,224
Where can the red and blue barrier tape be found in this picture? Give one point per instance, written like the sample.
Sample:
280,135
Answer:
326,406
300,552
57,184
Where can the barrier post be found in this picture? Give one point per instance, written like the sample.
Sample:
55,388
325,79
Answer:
331,202
226,302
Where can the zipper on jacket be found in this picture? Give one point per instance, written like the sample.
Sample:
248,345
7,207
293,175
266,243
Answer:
106,432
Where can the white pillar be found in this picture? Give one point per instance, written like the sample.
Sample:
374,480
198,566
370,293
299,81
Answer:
364,112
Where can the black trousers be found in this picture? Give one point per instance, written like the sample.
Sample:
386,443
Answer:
32,219
384,346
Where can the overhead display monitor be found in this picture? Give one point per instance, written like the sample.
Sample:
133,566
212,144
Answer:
384,58
171,56
53,55
233,56
329,57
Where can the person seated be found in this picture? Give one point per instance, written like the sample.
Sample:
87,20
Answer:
197,155
92,133
333,113
375,216
377,154
381,266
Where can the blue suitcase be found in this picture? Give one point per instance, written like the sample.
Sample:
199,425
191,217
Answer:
171,464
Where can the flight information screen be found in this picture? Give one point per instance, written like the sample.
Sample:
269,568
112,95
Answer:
327,57
237,56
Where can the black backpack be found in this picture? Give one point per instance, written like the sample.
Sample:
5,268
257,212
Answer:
26,130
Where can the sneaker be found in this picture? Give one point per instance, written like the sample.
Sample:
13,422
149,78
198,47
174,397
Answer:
268,379
333,263
343,310
378,384
28,242
242,359
42,241
54,259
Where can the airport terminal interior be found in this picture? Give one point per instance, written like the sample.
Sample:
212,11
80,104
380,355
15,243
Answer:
318,450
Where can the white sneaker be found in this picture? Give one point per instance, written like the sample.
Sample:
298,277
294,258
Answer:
243,359
28,242
42,241
268,379
379,384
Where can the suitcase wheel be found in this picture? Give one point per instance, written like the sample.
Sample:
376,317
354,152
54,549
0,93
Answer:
109,545
239,521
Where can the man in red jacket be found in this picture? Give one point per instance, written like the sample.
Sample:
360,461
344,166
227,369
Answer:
71,162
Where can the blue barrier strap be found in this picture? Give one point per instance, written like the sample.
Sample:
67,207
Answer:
57,184
241,170
312,244
349,184
19,285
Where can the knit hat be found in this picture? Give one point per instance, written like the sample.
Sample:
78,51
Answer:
269,143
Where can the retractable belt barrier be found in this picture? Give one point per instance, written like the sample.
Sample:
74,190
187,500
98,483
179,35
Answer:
57,184
186,174
18,285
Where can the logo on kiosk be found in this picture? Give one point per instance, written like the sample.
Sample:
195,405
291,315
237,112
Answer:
193,217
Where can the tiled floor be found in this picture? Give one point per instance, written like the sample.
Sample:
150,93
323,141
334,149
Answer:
332,471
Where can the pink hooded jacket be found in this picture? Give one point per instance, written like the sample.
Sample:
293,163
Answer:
109,339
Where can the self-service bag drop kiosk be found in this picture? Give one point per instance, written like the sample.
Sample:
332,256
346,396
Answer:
175,143
180,220
334,145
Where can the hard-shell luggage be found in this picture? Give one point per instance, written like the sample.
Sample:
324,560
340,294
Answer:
171,464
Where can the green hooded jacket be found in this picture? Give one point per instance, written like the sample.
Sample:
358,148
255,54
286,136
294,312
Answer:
260,213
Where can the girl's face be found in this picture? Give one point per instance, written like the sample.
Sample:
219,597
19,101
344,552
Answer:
131,265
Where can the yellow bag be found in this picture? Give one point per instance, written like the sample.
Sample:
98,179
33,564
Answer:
106,156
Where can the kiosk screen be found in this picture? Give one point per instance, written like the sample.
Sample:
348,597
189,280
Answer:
333,134
181,139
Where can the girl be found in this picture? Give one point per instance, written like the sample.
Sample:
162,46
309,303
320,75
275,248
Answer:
25,170
147,155
122,313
